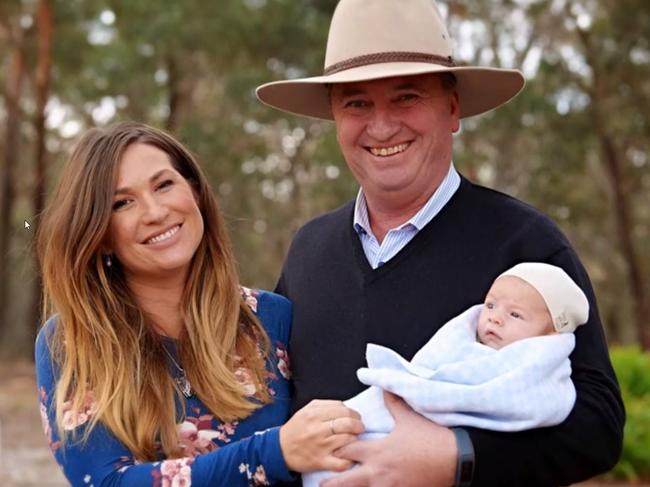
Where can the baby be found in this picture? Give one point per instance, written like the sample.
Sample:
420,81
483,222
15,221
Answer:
503,365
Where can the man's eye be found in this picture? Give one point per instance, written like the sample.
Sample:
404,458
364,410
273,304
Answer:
407,98
119,204
356,104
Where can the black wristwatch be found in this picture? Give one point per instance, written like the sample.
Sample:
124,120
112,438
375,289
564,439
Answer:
465,465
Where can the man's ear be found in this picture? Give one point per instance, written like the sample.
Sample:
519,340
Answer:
454,104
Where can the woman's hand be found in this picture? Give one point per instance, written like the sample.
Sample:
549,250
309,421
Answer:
308,439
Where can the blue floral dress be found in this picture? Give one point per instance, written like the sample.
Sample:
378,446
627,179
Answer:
242,453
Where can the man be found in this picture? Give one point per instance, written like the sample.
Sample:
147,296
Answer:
419,245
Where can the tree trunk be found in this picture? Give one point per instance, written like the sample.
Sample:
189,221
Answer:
13,89
175,95
612,160
45,28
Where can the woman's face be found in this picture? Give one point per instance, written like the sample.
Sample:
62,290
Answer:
155,225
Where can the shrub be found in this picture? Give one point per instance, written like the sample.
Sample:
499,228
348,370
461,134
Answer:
633,371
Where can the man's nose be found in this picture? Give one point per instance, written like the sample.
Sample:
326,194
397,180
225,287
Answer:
383,125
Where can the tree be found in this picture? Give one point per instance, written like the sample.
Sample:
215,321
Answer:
12,97
45,29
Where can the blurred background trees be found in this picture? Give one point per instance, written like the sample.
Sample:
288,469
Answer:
574,143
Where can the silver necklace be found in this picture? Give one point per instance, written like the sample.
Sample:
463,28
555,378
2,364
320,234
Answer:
181,379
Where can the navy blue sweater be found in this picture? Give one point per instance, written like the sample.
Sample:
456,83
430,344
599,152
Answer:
341,304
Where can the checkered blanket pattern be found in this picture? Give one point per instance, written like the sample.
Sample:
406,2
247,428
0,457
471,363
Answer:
455,381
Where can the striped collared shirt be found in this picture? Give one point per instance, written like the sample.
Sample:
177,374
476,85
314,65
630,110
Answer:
397,238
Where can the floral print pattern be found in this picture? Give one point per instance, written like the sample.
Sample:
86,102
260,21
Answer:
197,435
250,297
45,421
174,473
73,419
284,366
256,478
243,376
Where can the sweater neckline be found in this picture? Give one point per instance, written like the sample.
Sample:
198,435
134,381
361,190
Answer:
418,240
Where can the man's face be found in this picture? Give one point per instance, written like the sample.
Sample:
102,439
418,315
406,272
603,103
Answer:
396,134
513,310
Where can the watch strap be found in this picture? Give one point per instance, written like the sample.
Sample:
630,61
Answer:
465,464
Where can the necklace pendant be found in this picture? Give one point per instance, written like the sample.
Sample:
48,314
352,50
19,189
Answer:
184,385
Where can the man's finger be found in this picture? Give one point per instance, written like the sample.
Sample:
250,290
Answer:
396,406
357,451
336,464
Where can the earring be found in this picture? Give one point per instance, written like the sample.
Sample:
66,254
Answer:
109,261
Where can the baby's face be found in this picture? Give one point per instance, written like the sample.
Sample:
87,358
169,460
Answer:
513,310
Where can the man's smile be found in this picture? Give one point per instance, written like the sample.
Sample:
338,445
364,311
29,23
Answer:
388,151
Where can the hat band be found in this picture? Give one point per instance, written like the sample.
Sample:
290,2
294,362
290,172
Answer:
389,57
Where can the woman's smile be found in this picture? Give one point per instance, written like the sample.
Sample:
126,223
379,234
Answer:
165,237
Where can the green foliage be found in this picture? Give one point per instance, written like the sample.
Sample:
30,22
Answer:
192,67
633,370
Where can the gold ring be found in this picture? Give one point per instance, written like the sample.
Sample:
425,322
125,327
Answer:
332,426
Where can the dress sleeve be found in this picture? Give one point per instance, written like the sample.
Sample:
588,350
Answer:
589,441
102,460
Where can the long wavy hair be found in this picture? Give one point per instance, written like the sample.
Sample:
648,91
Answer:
103,343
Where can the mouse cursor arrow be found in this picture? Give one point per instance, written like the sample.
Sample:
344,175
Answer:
27,225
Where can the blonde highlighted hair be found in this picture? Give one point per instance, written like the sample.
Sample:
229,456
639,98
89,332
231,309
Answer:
103,343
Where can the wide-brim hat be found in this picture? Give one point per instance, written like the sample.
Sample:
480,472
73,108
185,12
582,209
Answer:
376,39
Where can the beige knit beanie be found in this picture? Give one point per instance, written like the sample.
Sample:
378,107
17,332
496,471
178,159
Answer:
565,301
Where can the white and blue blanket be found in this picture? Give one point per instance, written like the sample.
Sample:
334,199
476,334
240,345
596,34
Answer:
456,381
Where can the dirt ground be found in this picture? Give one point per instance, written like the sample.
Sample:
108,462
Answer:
25,459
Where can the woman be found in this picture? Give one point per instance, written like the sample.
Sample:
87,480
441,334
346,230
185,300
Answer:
158,368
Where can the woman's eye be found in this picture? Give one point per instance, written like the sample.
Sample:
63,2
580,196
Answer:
119,204
165,184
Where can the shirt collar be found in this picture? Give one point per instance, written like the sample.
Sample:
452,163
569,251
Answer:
433,205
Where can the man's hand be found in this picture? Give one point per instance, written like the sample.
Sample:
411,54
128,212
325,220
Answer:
418,453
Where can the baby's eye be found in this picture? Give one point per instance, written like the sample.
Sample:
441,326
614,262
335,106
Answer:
489,305
516,315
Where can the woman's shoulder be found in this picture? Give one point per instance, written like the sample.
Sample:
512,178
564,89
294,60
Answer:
260,299
45,335
46,368
273,310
